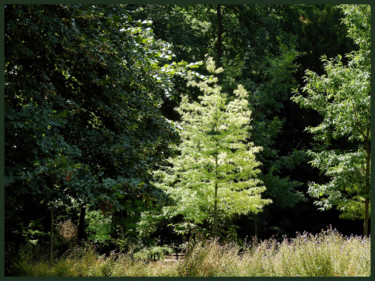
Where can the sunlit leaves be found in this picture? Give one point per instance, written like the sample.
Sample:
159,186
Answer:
215,152
342,97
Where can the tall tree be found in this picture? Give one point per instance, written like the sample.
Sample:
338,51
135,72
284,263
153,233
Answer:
219,34
215,173
260,56
84,86
342,97
257,53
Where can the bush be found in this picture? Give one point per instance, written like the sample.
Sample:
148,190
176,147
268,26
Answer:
153,253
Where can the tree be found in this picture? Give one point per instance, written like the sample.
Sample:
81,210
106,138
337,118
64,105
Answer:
84,86
265,48
243,39
260,56
342,97
215,173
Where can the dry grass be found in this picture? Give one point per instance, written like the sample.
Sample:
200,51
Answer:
324,254
68,230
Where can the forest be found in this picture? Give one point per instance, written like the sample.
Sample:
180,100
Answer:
236,137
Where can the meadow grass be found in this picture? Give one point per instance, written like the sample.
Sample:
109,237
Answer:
325,254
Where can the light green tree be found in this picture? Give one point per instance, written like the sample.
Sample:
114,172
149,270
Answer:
342,97
214,174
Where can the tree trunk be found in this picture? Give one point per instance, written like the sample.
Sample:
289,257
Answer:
215,197
81,224
215,212
220,31
255,225
51,237
365,221
219,55
368,188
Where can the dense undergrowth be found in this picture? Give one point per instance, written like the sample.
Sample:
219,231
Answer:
325,254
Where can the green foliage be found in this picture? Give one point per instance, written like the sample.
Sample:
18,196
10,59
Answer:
320,24
186,26
99,226
153,253
357,20
342,97
215,171
84,87
75,127
32,232
261,56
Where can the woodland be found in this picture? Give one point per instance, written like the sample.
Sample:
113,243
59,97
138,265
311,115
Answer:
226,133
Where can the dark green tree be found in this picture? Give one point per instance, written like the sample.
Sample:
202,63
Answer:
342,97
84,86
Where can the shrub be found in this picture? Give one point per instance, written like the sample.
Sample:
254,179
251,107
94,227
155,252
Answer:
153,253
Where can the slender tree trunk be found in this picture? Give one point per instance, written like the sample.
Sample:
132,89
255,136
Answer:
215,198
81,224
220,31
365,221
51,236
367,200
255,225
215,212
219,55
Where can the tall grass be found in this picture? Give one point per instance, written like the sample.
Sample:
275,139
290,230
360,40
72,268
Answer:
325,254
